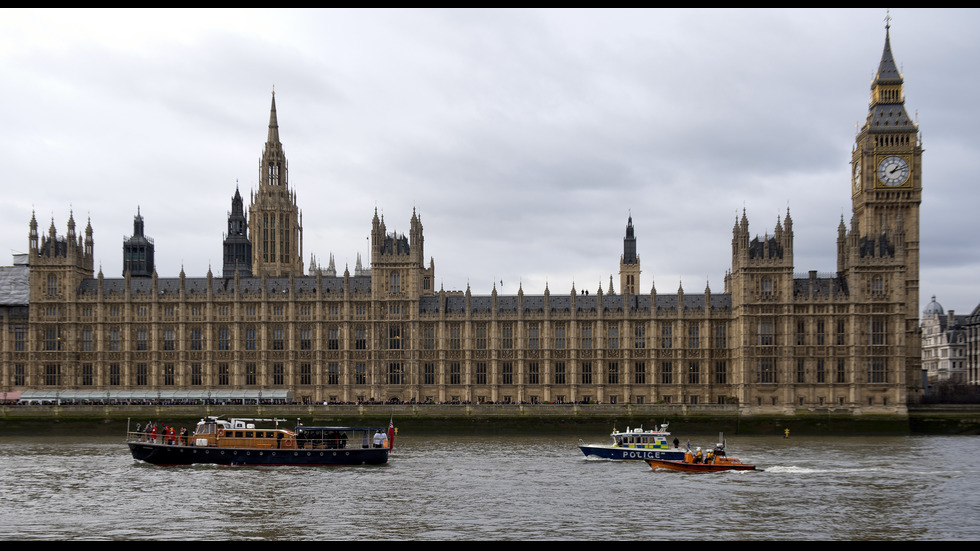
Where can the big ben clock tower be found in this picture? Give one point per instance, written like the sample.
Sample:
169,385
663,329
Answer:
886,190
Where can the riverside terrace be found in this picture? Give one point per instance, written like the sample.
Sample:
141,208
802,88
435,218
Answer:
578,419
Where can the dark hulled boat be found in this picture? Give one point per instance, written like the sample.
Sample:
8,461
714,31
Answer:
255,442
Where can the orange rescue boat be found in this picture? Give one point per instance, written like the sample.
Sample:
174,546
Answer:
715,460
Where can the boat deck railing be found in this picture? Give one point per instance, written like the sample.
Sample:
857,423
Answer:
147,438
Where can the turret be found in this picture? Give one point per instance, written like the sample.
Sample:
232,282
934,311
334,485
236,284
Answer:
629,263
138,251
237,248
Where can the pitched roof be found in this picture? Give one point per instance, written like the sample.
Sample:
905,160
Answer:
14,283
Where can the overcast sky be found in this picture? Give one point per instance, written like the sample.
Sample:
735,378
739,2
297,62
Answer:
523,138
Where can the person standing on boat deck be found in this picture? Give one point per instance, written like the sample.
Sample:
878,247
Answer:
384,440
677,443
377,439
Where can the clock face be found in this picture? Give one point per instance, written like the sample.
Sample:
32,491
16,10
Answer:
893,171
857,176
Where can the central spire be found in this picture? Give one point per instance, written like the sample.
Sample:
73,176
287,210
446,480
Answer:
275,224
273,170
273,140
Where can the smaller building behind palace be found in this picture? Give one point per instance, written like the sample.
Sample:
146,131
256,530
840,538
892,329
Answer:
268,328
950,345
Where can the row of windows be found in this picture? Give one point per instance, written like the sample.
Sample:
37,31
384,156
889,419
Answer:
222,311
169,373
277,339
561,338
395,374
820,371
560,373
875,287
877,332
52,338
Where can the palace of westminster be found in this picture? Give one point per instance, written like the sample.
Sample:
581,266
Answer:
268,329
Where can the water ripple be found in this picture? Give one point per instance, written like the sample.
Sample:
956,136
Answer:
499,488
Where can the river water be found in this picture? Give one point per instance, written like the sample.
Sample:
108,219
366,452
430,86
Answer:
501,488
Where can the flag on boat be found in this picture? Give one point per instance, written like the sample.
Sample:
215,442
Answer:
391,434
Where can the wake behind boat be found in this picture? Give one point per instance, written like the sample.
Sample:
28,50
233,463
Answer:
636,444
261,442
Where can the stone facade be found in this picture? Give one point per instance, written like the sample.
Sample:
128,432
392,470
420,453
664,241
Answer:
949,345
771,340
